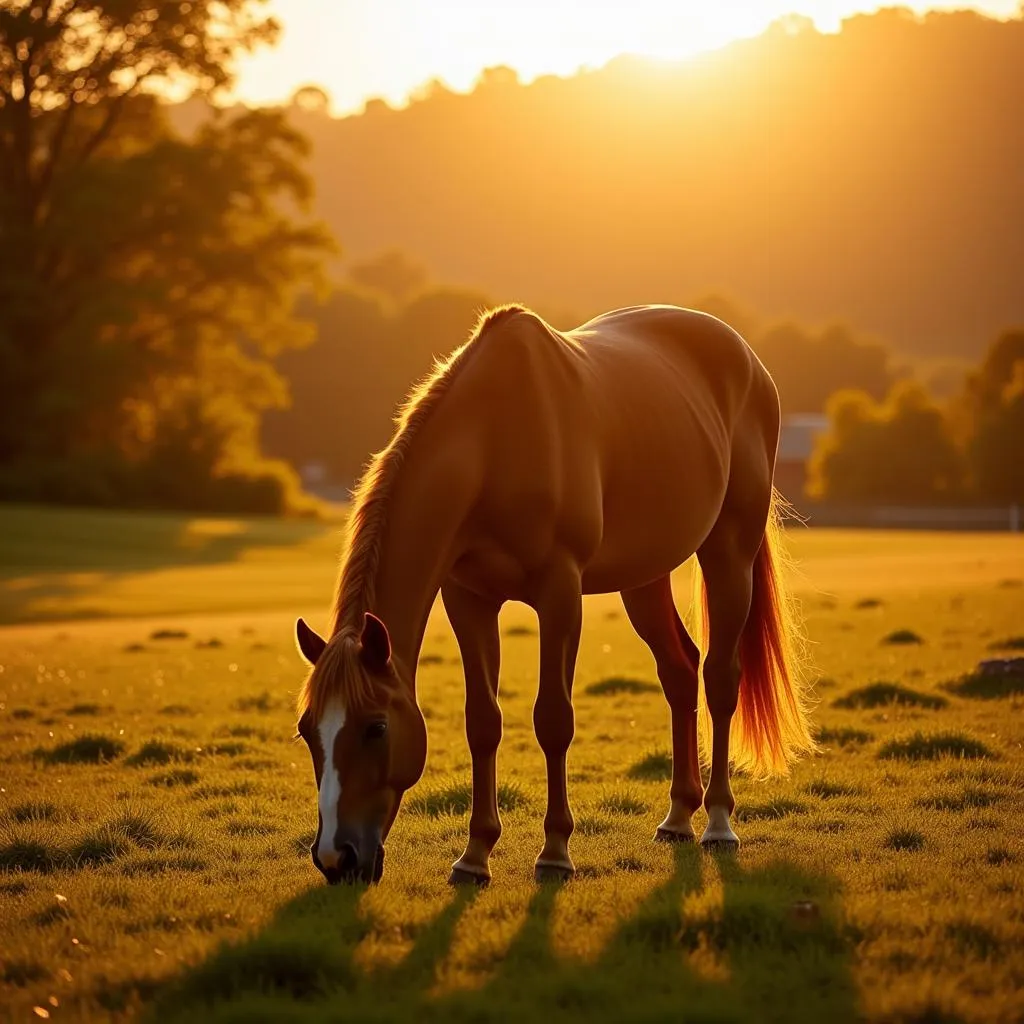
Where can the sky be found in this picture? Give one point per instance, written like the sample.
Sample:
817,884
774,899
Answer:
359,49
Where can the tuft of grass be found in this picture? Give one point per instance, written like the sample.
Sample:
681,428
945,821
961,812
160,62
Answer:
511,796
883,694
454,799
845,736
21,714
622,802
520,631
169,634
156,752
139,827
23,972
174,777
997,855
457,799
973,939
245,788
30,855
828,790
969,797
655,767
988,685
262,702
34,811
177,710
84,709
902,636
227,749
87,749
771,810
620,684
1010,643
904,839
591,825
932,746
100,847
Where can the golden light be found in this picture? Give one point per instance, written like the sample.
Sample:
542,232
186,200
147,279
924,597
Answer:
356,49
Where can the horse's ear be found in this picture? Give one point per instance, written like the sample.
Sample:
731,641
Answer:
311,645
375,644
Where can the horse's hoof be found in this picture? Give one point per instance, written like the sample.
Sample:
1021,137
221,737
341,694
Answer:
460,876
719,844
668,835
549,872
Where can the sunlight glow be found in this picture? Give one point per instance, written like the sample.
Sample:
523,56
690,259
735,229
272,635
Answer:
389,48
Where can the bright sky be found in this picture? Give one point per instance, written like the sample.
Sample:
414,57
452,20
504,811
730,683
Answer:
358,49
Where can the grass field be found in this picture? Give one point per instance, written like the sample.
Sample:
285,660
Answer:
155,813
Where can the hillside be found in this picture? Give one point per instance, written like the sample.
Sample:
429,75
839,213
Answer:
873,175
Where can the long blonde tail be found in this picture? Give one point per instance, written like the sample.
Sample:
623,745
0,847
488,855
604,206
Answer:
771,728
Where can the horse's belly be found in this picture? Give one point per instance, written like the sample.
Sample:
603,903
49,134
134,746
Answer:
653,522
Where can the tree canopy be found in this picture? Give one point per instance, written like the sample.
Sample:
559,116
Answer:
145,277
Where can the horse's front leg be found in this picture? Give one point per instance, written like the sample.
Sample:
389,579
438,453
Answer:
559,607
475,622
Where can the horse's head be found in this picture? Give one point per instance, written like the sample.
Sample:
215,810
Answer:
368,740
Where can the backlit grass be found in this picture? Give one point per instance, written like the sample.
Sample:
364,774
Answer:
154,859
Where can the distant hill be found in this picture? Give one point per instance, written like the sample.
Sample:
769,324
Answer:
875,175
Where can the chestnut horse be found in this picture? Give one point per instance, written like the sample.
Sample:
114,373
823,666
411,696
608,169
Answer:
539,466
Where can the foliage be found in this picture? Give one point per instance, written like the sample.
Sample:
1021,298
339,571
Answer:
898,451
145,277
370,349
994,403
809,368
912,449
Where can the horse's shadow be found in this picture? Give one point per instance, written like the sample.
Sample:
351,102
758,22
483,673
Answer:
773,949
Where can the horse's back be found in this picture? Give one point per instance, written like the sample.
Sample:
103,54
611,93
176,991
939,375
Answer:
615,440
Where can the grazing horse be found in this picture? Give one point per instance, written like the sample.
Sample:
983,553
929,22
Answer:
538,466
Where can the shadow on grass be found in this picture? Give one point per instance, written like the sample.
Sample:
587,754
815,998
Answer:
47,552
775,947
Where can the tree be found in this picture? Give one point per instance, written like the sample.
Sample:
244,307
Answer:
144,278
809,368
897,451
392,273
993,411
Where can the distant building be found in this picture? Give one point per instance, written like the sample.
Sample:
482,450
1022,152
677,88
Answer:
796,443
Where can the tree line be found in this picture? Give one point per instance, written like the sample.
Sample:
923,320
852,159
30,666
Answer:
165,316
910,447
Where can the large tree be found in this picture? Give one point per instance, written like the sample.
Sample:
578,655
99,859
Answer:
899,450
144,277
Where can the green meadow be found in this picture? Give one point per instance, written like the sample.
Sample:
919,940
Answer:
156,813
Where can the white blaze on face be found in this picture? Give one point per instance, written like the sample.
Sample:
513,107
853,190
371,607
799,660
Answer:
330,784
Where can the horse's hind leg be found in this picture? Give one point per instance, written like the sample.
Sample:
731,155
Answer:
653,615
726,560
475,622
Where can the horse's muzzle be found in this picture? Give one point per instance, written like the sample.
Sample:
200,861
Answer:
350,871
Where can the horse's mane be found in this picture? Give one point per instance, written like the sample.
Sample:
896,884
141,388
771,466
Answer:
336,673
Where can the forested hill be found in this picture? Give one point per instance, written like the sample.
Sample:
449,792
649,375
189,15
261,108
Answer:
875,175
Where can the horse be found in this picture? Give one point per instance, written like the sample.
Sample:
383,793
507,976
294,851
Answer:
540,466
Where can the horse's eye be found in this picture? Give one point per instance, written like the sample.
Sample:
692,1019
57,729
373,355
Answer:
376,730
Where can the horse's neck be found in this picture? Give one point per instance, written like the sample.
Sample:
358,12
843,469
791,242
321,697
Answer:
416,554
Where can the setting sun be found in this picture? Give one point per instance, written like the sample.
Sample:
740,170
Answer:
389,48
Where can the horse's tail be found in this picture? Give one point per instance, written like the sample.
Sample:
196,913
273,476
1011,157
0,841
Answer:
771,728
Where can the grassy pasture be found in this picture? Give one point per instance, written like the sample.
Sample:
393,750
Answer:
155,813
